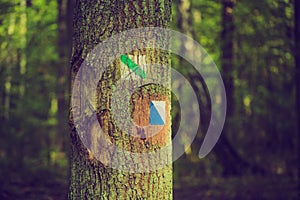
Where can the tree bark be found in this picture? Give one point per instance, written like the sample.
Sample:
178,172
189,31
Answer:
94,22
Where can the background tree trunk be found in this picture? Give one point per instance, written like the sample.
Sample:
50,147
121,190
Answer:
224,151
94,22
232,162
297,78
64,45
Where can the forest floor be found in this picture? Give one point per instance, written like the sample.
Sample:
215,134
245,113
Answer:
54,187
238,188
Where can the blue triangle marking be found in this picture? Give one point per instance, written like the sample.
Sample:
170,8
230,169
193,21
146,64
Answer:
155,118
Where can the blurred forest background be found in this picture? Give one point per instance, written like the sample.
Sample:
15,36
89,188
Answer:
251,41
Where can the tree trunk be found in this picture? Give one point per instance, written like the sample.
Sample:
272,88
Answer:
297,77
232,162
64,45
227,55
94,22
223,151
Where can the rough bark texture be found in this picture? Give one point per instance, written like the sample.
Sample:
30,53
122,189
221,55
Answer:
95,21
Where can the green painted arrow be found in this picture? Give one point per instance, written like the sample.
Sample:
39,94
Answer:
133,66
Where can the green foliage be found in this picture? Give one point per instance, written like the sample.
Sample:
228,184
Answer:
264,71
28,65
264,119
264,116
